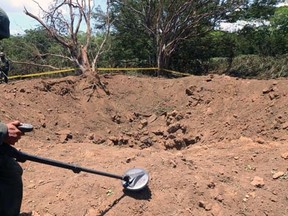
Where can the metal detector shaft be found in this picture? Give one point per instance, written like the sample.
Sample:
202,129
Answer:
22,157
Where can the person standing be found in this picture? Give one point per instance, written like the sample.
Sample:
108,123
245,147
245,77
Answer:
4,33
11,186
4,66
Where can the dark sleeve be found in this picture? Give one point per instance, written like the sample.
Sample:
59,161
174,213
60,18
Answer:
3,132
7,65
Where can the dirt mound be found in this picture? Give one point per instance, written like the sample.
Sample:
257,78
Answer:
213,145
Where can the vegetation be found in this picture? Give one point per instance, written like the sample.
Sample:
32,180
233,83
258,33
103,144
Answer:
178,35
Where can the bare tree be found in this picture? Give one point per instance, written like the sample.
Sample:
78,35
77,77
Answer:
64,20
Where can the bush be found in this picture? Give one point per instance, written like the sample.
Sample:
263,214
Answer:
252,66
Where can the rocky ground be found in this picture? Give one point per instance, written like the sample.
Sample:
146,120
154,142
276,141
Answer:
212,145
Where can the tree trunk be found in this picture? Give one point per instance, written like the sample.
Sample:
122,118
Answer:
82,60
162,61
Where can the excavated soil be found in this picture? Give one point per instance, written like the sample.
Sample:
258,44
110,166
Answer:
212,145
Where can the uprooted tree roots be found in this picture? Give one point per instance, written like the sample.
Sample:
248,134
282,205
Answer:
61,86
89,81
93,82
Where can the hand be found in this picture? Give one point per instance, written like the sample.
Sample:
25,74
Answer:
13,134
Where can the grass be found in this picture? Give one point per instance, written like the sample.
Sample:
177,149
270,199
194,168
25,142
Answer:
253,66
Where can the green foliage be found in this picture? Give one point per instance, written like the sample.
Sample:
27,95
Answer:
192,56
264,40
279,20
143,30
30,52
130,43
253,66
260,9
253,10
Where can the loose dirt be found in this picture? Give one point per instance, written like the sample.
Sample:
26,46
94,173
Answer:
213,145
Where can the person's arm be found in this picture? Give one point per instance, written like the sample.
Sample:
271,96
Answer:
10,133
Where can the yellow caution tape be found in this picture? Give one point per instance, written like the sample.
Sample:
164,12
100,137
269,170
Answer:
41,74
99,69
176,72
127,69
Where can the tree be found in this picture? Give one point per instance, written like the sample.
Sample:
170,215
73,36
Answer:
280,19
64,21
169,22
269,39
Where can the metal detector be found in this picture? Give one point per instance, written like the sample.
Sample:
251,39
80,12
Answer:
133,179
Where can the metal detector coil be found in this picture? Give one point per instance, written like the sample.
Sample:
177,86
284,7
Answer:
135,179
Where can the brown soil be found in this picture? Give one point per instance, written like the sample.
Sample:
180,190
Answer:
212,145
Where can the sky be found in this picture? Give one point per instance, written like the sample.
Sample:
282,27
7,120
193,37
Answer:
19,22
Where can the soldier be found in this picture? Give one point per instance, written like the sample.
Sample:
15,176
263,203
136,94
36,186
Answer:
11,186
4,67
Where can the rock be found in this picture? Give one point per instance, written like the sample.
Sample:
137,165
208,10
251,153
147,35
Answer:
91,136
171,136
173,117
190,140
209,78
205,205
285,126
179,117
252,194
189,91
273,95
219,198
34,213
121,140
169,144
209,111
146,142
31,186
159,131
65,135
143,123
267,90
258,182
174,113
260,140
131,117
173,128
278,174
173,163
117,119
91,212
179,143
99,140
211,185
152,118
128,160
285,155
